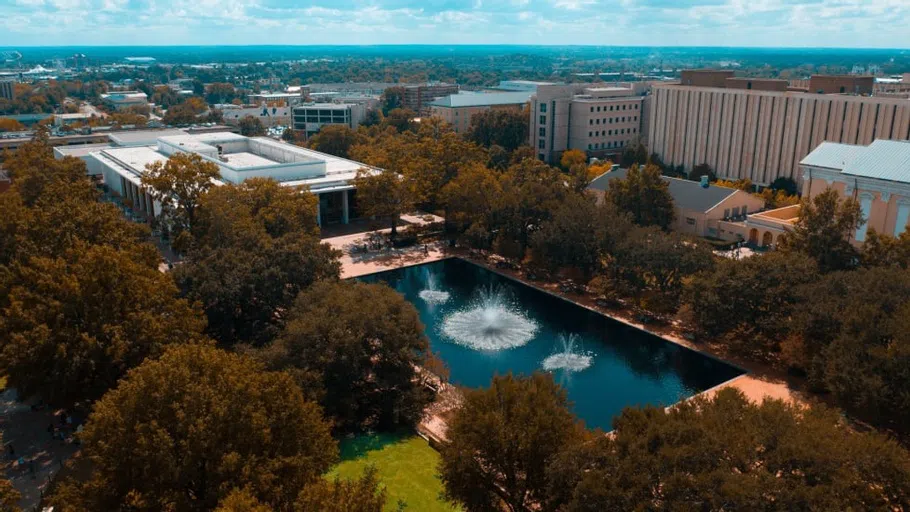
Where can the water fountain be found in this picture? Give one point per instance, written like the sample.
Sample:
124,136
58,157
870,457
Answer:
567,358
431,295
489,323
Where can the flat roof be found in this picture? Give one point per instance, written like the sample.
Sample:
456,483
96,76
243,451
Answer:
81,150
243,159
142,137
483,99
332,106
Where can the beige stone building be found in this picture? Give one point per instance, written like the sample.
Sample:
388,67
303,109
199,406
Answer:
599,119
457,109
418,97
700,207
876,175
744,132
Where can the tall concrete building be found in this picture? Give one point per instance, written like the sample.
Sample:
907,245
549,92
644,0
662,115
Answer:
457,109
418,97
753,129
6,89
311,117
598,119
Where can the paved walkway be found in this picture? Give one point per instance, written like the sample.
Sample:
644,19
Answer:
42,456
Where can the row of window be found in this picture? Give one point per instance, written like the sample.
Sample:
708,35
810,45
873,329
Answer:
608,145
611,108
607,132
612,120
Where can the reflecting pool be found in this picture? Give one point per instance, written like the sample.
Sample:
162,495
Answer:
483,324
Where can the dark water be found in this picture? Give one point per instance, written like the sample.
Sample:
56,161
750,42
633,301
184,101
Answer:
629,367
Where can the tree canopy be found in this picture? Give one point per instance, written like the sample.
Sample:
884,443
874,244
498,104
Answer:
334,139
251,127
824,229
507,128
73,325
181,432
502,441
727,453
645,195
360,361
178,184
256,246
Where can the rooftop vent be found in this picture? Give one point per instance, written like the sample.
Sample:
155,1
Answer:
704,182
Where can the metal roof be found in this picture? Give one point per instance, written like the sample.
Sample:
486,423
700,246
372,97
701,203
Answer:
883,159
687,195
483,99
831,155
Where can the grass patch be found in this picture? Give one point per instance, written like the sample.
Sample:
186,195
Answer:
406,466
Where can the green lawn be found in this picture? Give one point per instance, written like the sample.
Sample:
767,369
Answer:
406,467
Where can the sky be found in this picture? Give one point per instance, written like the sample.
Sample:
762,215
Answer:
768,23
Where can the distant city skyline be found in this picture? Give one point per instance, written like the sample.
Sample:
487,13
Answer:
752,23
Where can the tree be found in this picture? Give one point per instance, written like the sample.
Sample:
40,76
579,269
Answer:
399,118
178,184
749,302
334,139
392,98
373,117
361,495
507,128
10,125
470,201
885,250
635,153
383,194
9,495
702,170
571,158
578,235
256,246
180,114
651,266
362,361
289,135
645,195
220,92
848,335
785,184
727,453
251,127
181,432
503,439
823,231
74,324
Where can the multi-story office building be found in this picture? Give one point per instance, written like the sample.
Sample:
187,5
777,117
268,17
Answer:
6,89
759,131
418,97
458,109
598,119
311,117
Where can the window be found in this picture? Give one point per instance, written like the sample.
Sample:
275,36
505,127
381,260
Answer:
726,213
610,132
543,108
541,156
611,108
690,221
590,121
592,109
624,119
597,134
590,146
736,212
598,121
541,144
623,107
543,132
598,109
543,119
636,107
748,85
590,134
745,210
611,120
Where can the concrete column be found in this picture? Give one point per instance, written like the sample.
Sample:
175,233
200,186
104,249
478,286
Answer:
345,216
